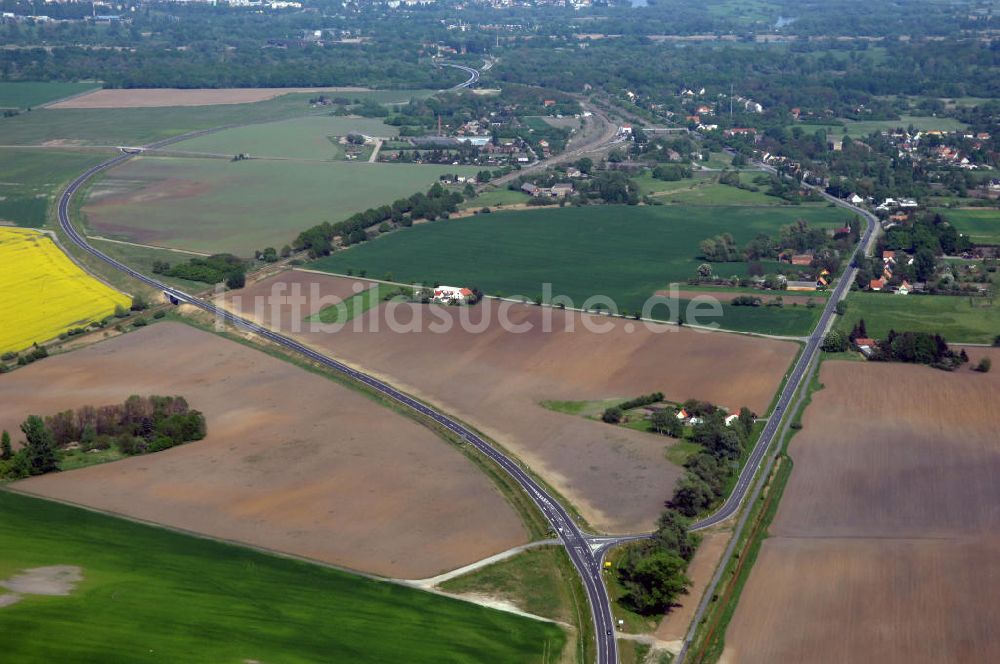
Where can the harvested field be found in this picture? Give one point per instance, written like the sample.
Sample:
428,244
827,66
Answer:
159,97
496,380
292,461
884,548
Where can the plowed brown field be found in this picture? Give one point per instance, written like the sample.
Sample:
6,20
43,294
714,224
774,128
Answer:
885,547
495,379
292,461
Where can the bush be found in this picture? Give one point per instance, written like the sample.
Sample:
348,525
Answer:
984,365
236,280
613,415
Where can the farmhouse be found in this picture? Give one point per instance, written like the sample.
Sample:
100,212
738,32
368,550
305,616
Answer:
451,294
865,345
562,189
530,188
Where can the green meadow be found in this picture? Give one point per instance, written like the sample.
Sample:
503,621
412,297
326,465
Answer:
217,205
30,179
28,94
138,126
152,595
982,225
304,138
957,319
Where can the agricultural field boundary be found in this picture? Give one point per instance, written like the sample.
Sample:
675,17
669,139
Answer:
588,312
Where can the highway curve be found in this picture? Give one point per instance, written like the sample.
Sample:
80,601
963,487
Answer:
573,539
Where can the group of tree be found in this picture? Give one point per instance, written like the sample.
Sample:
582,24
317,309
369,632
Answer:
918,348
615,414
797,237
437,202
653,572
672,172
720,249
210,270
138,426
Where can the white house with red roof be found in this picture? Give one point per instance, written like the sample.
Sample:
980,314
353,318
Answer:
449,294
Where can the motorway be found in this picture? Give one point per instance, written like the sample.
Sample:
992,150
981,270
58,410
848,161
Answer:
473,75
577,545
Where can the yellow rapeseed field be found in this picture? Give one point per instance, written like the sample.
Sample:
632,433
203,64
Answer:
43,293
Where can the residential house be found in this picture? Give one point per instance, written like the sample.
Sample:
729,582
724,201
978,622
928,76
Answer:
854,199
449,294
865,344
730,419
904,288
562,189
682,415
876,284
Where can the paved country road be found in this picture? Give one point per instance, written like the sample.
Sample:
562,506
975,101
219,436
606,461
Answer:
799,374
573,539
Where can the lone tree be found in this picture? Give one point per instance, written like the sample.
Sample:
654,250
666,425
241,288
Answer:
39,448
984,365
5,449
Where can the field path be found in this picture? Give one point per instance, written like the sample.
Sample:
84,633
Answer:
479,564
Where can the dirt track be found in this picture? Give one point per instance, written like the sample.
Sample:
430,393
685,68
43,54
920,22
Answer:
161,97
292,462
884,548
496,379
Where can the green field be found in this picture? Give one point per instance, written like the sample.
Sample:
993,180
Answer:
352,307
862,128
627,253
151,595
982,225
955,318
27,94
30,178
303,138
216,205
704,189
495,197
137,126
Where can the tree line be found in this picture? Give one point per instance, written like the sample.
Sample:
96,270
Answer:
654,571
437,202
